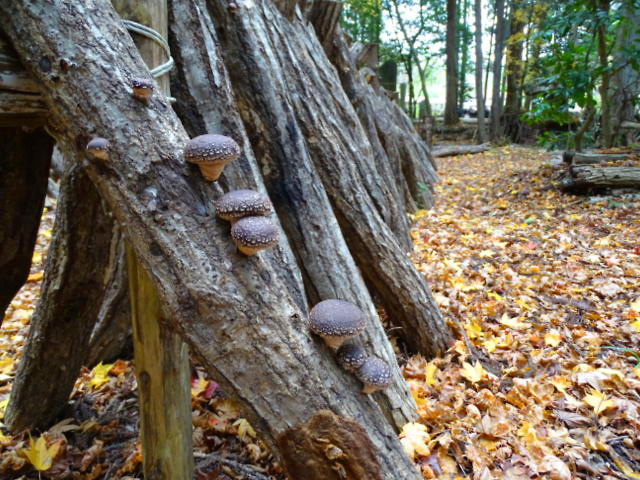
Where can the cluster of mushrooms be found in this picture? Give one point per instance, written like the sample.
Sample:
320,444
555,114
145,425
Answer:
336,321
251,230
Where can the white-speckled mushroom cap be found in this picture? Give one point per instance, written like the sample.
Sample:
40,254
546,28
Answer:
242,203
374,372
351,356
336,318
211,148
255,232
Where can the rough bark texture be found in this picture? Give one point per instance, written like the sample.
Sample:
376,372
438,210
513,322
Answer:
480,107
587,176
311,228
235,311
337,442
76,269
274,64
24,169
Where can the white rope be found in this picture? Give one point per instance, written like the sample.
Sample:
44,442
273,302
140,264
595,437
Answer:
155,36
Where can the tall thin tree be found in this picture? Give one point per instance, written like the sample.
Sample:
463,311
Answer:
479,95
450,108
496,103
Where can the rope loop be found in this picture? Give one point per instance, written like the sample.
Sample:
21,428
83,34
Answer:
156,37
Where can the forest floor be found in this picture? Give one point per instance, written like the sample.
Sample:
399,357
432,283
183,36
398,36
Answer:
543,291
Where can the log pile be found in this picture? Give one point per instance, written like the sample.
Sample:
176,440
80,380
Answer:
597,171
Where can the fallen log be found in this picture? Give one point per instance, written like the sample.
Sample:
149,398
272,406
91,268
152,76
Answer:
440,151
588,176
580,158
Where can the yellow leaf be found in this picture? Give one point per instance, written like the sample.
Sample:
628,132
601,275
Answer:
99,375
37,258
637,371
473,373
415,438
490,345
561,383
4,438
636,325
6,365
199,386
3,407
513,322
430,374
486,253
494,295
553,338
244,429
474,330
41,456
635,306
34,277
528,433
598,401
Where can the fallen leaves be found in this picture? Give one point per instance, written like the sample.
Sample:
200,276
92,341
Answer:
39,454
545,287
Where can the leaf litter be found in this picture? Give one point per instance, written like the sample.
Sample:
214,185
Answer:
542,290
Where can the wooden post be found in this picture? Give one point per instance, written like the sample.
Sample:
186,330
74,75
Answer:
161,357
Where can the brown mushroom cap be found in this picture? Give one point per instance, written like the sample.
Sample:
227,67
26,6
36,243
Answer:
351,356
335,321
242,203
98,148
252,234
211,152
375,374
142,88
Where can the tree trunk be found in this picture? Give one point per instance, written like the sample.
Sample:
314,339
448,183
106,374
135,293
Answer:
626,81
514,70
462,54
25,156
451,107
606,134
235,312
479,96
336,145
496,103
453,150
76,273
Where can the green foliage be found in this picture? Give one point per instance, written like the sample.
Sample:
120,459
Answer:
362,19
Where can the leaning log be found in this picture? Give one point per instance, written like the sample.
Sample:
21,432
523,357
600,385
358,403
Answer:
234,311
440,151
24,170
274,64
311,228
75,275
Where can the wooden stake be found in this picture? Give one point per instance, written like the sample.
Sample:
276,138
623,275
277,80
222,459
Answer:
161,357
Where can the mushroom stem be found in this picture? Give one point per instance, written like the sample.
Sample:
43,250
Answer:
211,172
369,389
334,343
249,250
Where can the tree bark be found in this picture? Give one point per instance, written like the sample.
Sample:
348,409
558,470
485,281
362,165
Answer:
479,96
496,100
514,69
235,312
76,273
25,156
606,135
451,107
324,129
626,81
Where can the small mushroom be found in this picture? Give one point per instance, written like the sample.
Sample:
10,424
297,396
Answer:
142,89
375,374
211,153
252,234
351,356
98,148
242,203
335,321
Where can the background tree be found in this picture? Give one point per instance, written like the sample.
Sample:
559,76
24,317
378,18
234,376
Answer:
450,109
479,94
